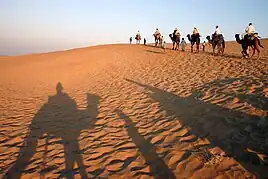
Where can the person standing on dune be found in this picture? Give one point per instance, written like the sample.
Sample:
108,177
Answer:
204,45
183,44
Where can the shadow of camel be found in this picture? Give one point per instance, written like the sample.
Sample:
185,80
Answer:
59,118
255,98
223,127
151,51
157,165
237,56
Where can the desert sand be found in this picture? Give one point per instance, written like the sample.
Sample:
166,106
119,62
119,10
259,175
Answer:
132,111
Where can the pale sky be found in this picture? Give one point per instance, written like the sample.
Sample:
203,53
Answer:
30,26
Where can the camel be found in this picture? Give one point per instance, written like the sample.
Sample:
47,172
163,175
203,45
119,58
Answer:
157,39
217,41
194,39
138,39
175,40
254,43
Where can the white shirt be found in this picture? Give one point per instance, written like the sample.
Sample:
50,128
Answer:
217,31
250,29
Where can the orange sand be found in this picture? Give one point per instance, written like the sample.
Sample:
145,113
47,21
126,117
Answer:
132,111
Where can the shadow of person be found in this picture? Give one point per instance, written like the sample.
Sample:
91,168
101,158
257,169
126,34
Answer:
259,102
157,166
223,127
60,118
246,89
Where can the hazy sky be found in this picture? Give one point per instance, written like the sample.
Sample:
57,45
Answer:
28,26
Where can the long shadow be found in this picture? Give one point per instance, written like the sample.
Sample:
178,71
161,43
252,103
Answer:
226,55
151,51
58,118
223,127
157,166
256,98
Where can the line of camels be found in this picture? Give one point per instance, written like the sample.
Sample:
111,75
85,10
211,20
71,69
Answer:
216,42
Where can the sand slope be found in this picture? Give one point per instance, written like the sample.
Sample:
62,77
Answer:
130,111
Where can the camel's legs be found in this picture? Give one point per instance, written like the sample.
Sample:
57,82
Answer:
254,53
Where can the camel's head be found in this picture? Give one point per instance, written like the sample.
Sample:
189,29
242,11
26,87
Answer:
237,36
170,35
208,38
189,37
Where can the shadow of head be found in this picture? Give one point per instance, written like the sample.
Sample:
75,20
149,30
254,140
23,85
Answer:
59,88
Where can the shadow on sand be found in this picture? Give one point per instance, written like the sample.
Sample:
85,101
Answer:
237,56
157,166
58,118
151,51
222,126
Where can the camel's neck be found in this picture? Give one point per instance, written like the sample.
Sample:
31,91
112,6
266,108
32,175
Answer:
189,38
238,40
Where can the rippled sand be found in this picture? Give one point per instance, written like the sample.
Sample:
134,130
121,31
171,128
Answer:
130,111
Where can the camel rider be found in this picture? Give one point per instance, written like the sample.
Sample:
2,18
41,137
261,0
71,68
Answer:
250,31
195,31
176,32
157,32
138,33
217,32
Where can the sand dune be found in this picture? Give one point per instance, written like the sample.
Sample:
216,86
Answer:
133,111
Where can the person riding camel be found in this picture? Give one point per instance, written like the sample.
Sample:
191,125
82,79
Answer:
217,32
157,32
176,32
195,31
250,31
138,33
